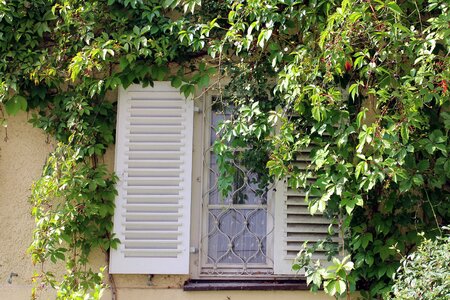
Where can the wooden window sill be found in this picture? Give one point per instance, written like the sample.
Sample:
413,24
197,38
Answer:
244,285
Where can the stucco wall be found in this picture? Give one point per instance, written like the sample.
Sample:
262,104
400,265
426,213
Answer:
22,156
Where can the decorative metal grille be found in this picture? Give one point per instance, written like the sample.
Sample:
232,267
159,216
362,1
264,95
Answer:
237,239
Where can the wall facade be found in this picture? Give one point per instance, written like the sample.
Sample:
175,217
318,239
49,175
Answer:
23,151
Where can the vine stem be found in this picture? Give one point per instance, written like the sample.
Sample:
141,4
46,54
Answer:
434,213
348,289
111,279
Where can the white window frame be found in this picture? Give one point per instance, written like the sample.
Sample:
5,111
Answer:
231,270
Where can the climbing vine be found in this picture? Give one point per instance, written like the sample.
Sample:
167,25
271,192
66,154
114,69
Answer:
63,60
363,84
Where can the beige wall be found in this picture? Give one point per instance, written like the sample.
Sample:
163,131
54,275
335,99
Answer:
22,156
21,159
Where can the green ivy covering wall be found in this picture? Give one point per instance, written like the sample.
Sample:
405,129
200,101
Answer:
362,83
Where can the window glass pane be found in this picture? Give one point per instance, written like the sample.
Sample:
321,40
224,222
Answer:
237,236
245,187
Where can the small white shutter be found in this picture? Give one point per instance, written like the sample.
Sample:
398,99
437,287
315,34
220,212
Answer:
154,166
294,224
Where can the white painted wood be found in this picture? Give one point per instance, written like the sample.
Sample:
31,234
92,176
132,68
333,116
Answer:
294,224
154,166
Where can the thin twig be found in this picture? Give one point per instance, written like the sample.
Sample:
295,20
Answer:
111,279
434,213
420,17
210,86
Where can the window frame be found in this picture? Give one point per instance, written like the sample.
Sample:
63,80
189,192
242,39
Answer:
199,230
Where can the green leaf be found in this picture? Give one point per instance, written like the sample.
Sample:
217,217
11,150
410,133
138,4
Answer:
60,255
188,90
39,91
315,278
231,15
317,113
405,185
176,81
404,132
391,269
323,37
359,200
353,90
158,72
360,117
381,271
354,16
447,168
264,36
369,259
418,180
366,238
15,104
203,81
361,168
340,286
145,29
423,165
437,137
393,6
401,27
330,287
348,266
169,3
49,15
136,30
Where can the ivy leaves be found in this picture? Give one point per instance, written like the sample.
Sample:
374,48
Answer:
73,204
333,278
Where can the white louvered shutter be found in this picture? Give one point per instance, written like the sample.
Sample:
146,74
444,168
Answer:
154,166
294,224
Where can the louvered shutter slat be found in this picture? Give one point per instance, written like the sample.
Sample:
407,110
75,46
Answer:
154,165
156,120
151,254
137,234
294,225
131,226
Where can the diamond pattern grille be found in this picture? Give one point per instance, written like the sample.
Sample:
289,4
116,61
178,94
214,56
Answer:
236,237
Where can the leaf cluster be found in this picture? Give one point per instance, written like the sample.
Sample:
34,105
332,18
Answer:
424,274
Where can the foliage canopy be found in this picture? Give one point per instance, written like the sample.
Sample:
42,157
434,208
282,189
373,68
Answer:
362,83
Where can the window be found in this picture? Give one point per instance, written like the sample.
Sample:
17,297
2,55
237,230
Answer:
237,231
169,215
